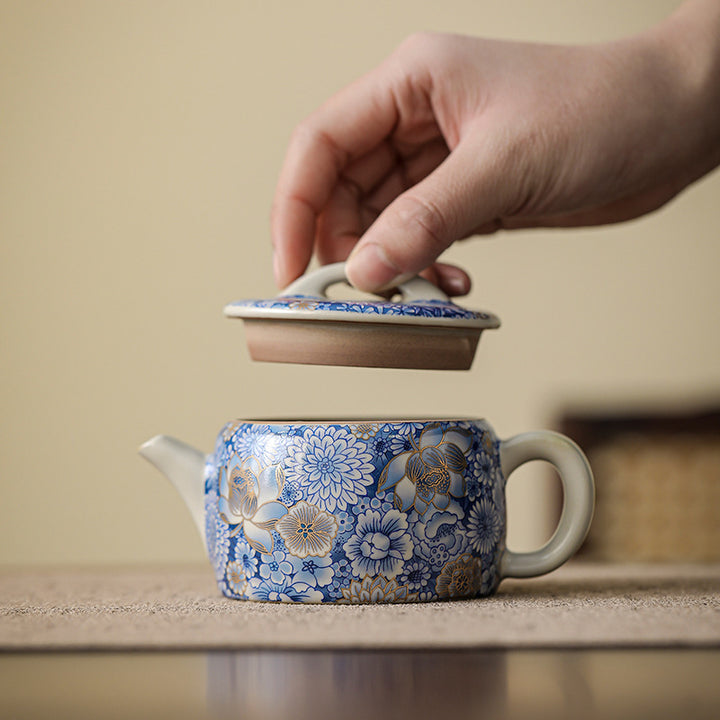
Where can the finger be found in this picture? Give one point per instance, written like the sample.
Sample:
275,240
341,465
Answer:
452,280
346,127
408,171
467,190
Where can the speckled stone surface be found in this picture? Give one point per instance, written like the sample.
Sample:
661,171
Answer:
579,605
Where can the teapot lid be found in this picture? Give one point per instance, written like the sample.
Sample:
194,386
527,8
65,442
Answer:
424,329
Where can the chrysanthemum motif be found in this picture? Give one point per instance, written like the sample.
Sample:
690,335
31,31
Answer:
376,590
484,526
307,530
259,442
246,556
248,500
460,578
431,473
380,545
415,575
333,466
217,535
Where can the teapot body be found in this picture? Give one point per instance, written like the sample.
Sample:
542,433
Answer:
356,511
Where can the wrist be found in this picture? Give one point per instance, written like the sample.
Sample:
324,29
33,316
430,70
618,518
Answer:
687,49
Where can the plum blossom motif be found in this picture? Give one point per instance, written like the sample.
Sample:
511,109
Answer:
376,590
313,571
460,578
431,473
333,466
380,544
248,500
307,530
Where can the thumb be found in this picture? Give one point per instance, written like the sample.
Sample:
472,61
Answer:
461,194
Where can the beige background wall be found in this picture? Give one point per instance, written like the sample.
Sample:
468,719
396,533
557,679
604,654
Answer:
139,145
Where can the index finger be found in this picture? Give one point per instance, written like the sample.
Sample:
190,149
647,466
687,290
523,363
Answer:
344,128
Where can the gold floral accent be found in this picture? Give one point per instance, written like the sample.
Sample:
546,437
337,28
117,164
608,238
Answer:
237,580
307,530
376,590
459,578
365,431
429,474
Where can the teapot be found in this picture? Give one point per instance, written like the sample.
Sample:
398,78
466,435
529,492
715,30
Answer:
368,511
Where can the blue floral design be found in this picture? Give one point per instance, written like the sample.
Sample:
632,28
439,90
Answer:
217,535
260,442
426,309
275,567
441,537
313,571
246,556
415,576
265,589
484,527
334,466
380,544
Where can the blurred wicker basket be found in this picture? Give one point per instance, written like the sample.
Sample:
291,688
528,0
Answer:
658,486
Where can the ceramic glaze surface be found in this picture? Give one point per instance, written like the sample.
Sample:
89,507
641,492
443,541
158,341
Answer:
355,512
424,309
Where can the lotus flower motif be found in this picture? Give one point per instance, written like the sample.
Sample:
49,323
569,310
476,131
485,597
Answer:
249,500
431,473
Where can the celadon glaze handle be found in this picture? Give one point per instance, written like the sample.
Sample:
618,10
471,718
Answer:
316,283
578,505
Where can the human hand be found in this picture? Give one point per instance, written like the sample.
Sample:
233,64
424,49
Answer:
454,136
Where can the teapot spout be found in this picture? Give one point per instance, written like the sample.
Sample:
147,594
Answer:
184,466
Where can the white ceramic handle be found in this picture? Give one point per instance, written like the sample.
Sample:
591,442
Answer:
578,504
315,284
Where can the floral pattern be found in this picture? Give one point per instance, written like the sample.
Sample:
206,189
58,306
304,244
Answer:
307,530
248,500
460,578
371,512
334,465
431,473
376,590
426,308
483,527
380,544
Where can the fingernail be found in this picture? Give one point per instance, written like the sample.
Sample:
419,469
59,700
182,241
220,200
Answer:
456,285
368,268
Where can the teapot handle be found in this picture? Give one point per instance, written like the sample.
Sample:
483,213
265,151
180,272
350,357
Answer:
316,283
578,504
